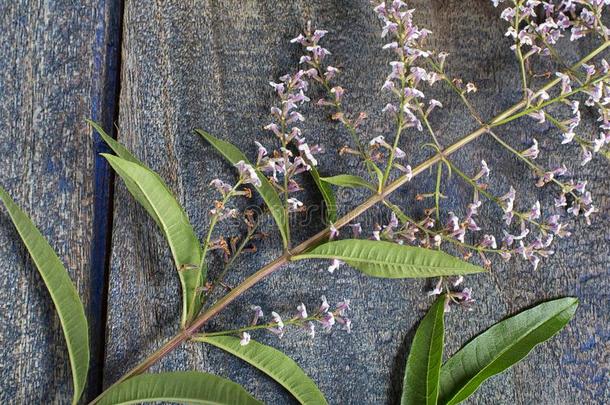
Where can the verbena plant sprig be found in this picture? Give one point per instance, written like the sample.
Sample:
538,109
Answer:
406,246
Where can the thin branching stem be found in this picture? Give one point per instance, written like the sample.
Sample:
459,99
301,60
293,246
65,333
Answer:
432,234
293,321
285,193
437,190
519,52
347,123
535,168
230,263
214,220
491,197
554,100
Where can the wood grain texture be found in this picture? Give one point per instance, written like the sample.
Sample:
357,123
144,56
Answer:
207,64
52,62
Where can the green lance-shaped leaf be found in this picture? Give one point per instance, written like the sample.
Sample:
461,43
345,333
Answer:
119,149
124,153
63,293
266,190
327,194
348,180
273,363
501,346
421,383
150,191
189,274
391,260
184,387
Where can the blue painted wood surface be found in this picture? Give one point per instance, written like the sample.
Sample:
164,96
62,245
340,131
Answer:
59,63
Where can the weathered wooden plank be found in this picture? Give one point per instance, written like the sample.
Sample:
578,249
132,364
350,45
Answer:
207,64
53,75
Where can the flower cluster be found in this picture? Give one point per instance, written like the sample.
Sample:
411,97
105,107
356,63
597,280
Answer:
324,74
450,287
302,319
407,42
294,156
221,212
227,191
529,229
576,19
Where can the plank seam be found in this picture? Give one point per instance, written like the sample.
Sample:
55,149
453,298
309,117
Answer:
105,110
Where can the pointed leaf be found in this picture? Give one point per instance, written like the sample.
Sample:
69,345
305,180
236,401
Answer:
150,191
327,194
421,381
184,387
63,293
266,190
124,153
391,260
348,180
273,363
119,149
501,346
379,174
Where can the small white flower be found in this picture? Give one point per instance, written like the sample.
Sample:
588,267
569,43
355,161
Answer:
356,229
471,88
335,264
567,137
334,232
245,338
302,311
378,140
324,306
532,151
247,173
275,317
586,157
294,204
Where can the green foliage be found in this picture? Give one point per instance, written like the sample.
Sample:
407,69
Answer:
185,387
490,353
266,190
63,293
421,382
273,363
501,346
119,149
391,260
327,194
152,193
348,180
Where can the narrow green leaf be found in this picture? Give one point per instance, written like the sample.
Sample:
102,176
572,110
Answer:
150,191
391,260
124,153
266,190
119,149
348,180
420,386
191,276
379,174
273,363
63,293
184,387
501,346
327,194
